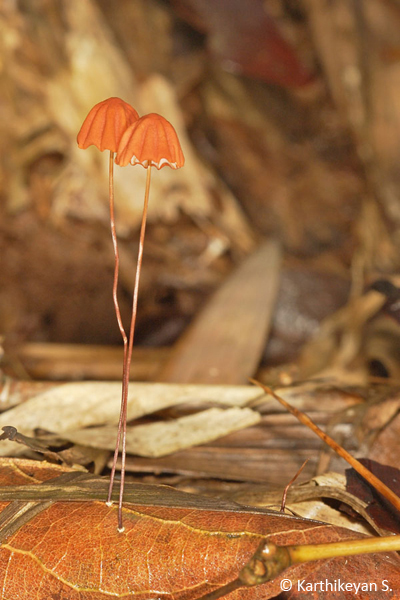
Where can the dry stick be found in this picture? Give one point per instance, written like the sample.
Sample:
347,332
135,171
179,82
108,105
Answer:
309,552
383,489
124,407
270,560
118,313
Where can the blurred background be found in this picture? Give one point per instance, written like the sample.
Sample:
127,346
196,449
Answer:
288,113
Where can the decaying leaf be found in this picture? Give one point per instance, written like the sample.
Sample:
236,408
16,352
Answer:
162,438
75,456
261,453
10,433
379,510
73,406
214,349
313,500
60,540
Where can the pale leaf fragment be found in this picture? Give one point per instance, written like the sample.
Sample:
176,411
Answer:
74,406
166,437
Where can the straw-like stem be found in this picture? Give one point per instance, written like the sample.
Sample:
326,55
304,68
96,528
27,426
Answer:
270,560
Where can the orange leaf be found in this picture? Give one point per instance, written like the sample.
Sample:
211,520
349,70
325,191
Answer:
175,545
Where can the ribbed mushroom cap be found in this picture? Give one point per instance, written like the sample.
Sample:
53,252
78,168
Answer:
105,124
150,141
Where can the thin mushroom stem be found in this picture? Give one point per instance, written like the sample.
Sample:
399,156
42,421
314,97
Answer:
124,407
117,312
116,254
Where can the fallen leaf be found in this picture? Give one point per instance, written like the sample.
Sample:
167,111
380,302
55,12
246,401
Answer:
334,351
12,434
213,349
166,437
384,490
59,542
72,406
308,500
381,511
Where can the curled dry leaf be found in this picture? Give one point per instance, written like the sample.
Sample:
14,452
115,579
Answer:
379,510
59,541
308,500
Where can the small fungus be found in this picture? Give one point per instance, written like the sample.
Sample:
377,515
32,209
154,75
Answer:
103,128
151,141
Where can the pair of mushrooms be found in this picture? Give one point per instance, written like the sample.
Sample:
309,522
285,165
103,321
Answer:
150,141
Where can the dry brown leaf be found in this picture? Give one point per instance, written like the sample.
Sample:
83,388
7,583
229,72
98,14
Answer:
59,541
162,438
224,343
307,500
74,406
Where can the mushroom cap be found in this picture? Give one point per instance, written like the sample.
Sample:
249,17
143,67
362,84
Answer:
150,141
105,124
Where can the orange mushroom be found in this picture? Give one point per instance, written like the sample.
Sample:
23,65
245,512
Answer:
105,124
103,128
151,141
